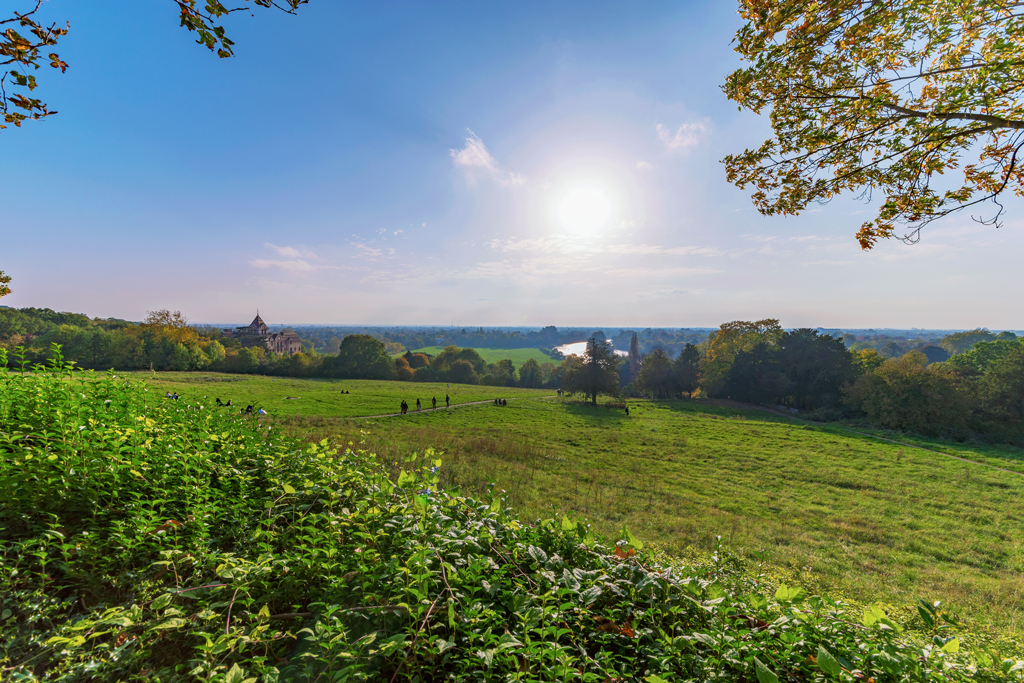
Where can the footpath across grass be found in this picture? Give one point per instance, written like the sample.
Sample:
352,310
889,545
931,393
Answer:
285,396
847,513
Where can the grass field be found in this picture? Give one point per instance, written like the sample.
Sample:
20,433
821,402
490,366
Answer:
517,356
318,396
843,513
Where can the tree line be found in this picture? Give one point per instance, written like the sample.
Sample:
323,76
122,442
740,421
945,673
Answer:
978,391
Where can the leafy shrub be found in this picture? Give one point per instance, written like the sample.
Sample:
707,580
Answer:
906,393
145,539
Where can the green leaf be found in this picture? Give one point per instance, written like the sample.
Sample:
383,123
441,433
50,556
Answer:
764,674
567,524
952,646
172,623
162,601
787,594
289,489
705,638
872,615
537,554
632,540
591,595
234,675
828,663
655,679
507,641
758,601
406,480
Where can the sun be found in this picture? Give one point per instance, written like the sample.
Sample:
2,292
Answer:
584,209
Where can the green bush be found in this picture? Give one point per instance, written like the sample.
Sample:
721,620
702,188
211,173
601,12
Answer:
146,539
908,394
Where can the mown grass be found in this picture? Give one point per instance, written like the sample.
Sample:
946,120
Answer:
845,512
517,356
321,397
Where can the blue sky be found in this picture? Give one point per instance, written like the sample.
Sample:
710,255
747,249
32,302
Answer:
414,163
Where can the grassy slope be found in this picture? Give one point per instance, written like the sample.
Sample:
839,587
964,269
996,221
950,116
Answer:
862,517
319,396
517,356
195,541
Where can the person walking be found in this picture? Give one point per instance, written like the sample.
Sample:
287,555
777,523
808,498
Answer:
434,402
627,411
418,408
447,403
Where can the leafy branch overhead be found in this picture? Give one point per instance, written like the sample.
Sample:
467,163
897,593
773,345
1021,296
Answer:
24,40
19,53
918,100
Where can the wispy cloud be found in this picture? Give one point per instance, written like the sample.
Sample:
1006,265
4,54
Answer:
290,252
295,260
685,136
366,251
644,165
295,265
475,160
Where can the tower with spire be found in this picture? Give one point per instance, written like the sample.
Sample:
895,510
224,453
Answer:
258,333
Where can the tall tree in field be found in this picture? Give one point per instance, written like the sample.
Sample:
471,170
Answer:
920,102
731,338
530,374
598,371
656,378
634,358
360,357
686,369
25,40
174,326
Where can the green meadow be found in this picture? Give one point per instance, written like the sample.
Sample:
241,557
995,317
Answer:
838,512
517,356
283,396
835,510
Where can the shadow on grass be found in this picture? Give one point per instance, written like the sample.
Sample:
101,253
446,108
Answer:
602,414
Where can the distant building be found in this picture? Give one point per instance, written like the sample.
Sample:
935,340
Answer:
281,343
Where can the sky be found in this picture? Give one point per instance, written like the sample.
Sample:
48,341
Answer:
464,163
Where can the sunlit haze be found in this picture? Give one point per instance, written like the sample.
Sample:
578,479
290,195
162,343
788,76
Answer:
415,163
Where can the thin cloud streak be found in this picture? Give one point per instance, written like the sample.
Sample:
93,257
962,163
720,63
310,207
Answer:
475,160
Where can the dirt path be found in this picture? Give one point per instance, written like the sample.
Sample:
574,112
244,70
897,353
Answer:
430,410
727,403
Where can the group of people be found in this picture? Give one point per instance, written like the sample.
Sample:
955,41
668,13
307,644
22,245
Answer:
433,403
500,402
173,396
220,403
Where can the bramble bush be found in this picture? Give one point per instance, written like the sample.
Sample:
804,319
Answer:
145,539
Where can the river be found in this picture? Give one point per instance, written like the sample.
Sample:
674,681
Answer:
579,348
